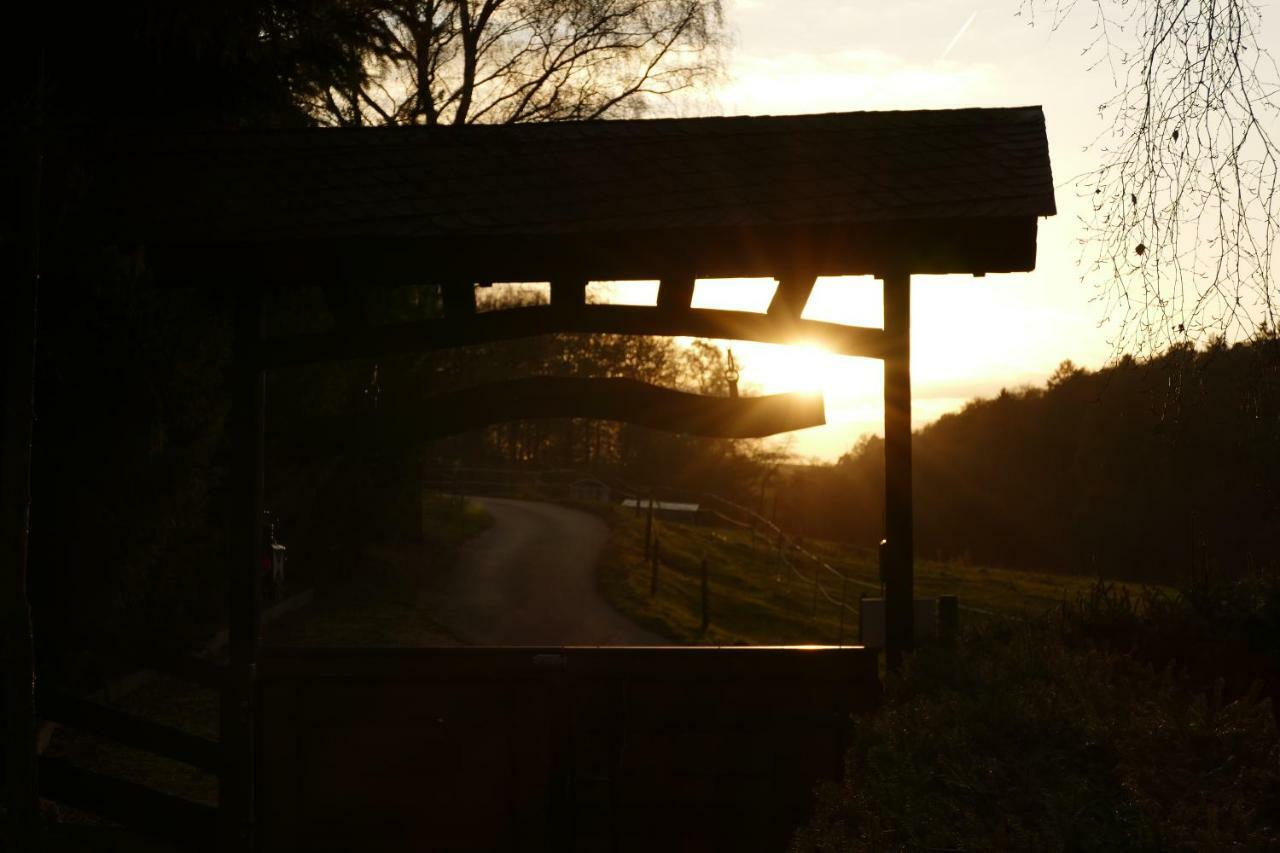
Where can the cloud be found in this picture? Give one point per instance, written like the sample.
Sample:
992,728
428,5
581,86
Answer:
850,80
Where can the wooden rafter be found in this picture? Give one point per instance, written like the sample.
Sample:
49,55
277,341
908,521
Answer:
458,298
791,296
675,294
568,294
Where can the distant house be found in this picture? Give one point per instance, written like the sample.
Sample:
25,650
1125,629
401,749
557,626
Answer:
589,491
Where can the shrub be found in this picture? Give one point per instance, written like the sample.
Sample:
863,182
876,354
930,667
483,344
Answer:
1050,736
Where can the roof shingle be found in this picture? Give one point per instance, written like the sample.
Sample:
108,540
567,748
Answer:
606,177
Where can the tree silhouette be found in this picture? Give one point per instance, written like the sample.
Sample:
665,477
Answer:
504,61
1184,204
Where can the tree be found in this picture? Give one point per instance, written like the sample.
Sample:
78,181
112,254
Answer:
129,498
1184,196
503,61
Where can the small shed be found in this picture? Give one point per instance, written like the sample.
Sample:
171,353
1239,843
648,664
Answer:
589,491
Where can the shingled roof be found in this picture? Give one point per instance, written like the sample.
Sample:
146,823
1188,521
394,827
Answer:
586,184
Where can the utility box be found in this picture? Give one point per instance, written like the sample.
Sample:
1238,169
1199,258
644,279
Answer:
273,559
871,621
278,554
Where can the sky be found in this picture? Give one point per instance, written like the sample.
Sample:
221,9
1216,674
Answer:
971,336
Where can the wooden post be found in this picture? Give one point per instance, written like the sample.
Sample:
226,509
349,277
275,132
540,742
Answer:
706,612
675,292
654,559
948,619
898,553
817,567
236,784
648,529
458,298
568,294
20,283
844,593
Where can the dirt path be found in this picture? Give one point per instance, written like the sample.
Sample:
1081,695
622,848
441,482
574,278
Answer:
530,579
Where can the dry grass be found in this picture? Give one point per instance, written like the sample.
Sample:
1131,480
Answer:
756,597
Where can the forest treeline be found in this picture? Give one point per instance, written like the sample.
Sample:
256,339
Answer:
1165,469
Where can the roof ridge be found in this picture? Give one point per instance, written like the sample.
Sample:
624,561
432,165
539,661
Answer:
591,124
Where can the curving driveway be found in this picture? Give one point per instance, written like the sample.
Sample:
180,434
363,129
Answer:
530,580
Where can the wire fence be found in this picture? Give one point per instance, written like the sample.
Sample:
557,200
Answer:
560,483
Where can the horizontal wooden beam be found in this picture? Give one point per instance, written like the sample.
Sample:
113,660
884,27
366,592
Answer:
514,323
192,825
625,400
205,673
129,730
936,247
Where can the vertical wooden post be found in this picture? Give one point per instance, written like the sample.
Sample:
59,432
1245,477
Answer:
458,298
236,789
648,528
844,606
706,594
898,554
817,567
654,559
948,619
675,292
20,260
568,294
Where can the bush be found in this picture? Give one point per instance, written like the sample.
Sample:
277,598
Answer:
1036,736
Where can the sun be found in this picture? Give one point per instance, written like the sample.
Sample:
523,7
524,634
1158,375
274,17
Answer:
852,387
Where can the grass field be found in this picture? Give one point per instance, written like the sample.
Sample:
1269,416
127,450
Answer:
756,597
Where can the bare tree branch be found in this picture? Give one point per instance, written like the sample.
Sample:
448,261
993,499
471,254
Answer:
501,61
1184,205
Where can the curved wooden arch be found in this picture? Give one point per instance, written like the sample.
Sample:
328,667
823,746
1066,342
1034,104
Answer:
626,400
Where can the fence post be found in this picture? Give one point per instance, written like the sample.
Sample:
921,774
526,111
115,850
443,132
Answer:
648,528
844,592
948,619
706,613
654,559
817,567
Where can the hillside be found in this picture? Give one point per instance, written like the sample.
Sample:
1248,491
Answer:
1163,470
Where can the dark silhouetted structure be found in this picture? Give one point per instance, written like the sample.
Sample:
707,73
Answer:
886,194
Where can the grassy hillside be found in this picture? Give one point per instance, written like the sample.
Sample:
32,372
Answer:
757,597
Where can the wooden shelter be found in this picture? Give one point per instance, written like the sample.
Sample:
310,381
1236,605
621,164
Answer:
888,194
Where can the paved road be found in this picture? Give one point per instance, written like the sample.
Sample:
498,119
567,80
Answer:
530,580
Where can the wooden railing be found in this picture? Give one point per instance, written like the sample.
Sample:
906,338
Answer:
188,824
